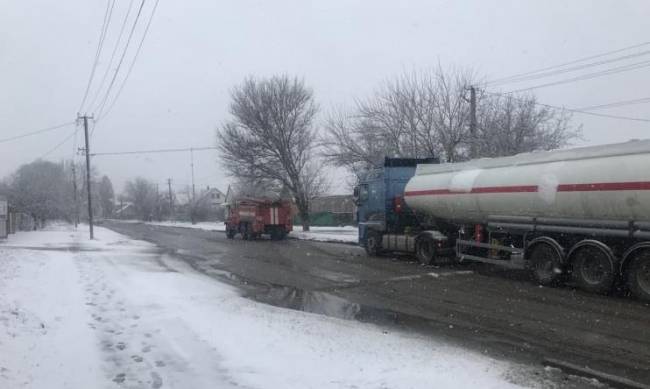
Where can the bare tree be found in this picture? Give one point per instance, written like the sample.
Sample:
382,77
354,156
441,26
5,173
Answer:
271,136
142,194
417,114
246,187
106,196
39,189
425,114
509,125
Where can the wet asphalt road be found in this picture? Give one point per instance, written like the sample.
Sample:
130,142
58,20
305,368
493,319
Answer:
498,312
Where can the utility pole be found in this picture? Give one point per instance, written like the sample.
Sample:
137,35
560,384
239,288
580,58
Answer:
472,122
74,188
88,189
158,202
171,199
192,165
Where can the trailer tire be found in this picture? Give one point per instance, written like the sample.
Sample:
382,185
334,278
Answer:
638,276
425,251
546,263
373,243
594,268
230,233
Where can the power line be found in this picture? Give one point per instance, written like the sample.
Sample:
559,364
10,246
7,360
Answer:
119,64
617,104
155,151
67,138
570,62
580,111
119,91
102,36
36,132
625,68
110,62
567,70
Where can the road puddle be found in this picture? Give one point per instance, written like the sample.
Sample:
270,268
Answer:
322,303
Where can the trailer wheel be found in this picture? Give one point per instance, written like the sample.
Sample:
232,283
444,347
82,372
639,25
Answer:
546,263
230,233
373,243
425,251
593,268
638,276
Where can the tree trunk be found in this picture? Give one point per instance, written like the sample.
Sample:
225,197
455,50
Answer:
303,211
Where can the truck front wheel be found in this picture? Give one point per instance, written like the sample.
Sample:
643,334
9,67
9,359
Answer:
638,276
373,243
425,251
230,233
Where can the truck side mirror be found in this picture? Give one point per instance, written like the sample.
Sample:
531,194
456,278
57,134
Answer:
360,194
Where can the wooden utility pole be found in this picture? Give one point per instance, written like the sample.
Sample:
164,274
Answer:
74,188
171,199
192,165
88,188
158,202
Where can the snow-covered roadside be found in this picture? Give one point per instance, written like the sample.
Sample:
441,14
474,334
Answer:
118,313
345,234
207,226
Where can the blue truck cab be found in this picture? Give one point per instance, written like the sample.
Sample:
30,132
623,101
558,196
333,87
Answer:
382,214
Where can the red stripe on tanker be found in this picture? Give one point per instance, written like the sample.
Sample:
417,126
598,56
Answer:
589,187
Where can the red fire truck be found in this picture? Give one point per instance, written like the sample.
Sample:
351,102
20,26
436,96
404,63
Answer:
253,217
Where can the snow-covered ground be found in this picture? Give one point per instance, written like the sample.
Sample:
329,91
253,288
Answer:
346,234
117,312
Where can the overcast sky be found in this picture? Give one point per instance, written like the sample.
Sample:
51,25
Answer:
197,50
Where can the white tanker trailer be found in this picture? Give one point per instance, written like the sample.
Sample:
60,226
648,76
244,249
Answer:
580,213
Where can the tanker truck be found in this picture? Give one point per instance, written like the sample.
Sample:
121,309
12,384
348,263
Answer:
578,214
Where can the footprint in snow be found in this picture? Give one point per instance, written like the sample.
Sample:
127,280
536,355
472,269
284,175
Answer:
157,381
119,378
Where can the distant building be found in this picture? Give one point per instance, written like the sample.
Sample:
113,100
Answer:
214,196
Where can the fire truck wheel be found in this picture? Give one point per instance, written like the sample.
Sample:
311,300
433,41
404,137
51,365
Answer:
373,243
230,233
638,276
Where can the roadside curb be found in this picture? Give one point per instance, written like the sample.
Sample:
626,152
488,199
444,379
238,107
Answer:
610,379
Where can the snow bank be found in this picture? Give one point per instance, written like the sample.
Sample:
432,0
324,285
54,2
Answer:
347,234
119,312
207,226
